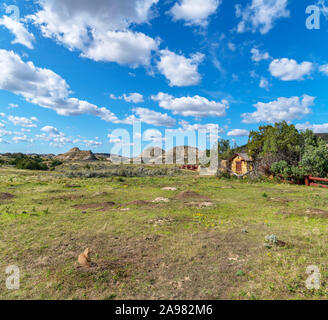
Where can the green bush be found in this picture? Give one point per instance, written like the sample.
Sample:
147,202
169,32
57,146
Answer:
21,161
55,163
223,175
31,164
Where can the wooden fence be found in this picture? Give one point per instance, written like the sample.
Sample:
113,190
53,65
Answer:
309,182
189,167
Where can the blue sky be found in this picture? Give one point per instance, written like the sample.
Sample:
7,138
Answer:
73,71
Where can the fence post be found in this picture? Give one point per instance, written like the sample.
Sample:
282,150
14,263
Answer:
307,181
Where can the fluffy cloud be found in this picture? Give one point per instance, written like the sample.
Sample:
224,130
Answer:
281,109
55,138
257,56
99,29
131,97
200,127
261,15
92,143
324,69
51,130
194,12
153,135
23,122
238,133
21,139
264,83
123,47
43,87
316,128
150,117
179,70
22,36
3,141
198,107
288,69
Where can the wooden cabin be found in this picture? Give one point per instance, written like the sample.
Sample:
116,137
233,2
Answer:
240,164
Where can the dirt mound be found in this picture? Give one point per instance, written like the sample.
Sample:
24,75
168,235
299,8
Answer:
100,206
6,196
76,154
191,195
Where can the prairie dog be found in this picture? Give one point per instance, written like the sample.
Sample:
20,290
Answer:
84,258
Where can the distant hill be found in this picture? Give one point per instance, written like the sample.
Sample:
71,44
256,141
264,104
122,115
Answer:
183,154
151,155
76,154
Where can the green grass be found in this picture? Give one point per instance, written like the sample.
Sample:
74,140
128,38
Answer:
174,250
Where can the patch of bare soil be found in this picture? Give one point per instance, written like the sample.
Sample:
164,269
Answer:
141,203
191,195
73,186
200,204
280,200
188,266
100,206
6,196
160,221
312,212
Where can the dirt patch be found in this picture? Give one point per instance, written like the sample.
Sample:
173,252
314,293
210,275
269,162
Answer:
279,200
169,189
6,196
191,195
73,186
312,212
161,200
160,221
200,204
100,206
140,203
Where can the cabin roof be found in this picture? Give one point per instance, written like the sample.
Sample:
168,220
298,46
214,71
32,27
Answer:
242,155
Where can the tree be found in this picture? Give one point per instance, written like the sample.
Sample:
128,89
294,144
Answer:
315,159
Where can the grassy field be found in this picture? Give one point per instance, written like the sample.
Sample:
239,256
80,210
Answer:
206,242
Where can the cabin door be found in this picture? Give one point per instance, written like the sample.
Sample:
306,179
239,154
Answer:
239,166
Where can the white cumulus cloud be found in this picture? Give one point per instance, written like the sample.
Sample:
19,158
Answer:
324,69
44,87
316,128
131,97
258,56
260,15
287,109
238,133
179,70
99,29
198,107
150,117
194,12
23,122
22,35
264,83
288,69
